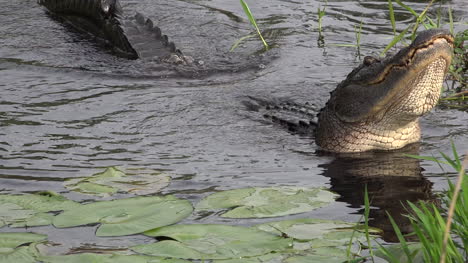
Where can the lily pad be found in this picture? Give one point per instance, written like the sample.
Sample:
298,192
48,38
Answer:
212,242
127,216
13,249
267,202
13,240
329,255
107,258
19,255
31,209
114,180
317,232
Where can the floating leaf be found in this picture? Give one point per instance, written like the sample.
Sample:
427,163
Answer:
31,209
319,255
127,216
13,240
13,249
113,180
267,202
318,232
212,242
273,258
107,258
19,255
329,255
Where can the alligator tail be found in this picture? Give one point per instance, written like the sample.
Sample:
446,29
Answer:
98,17
134,37
94,9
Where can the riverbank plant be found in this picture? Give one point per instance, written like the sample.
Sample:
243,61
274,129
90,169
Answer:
440,230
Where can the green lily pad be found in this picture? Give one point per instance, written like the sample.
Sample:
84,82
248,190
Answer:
127,216
268,258
320,255
107,258
19,255
212,242
13,240
114,180
318,232
267,202
31,209
13,247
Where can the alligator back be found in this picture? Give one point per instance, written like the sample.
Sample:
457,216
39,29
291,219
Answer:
297,118
129,37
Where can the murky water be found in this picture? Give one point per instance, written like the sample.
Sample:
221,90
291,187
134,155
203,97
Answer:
68,107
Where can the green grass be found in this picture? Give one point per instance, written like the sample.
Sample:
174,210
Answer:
252,20
441,231
320,14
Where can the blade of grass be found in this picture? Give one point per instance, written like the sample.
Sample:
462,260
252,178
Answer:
342,45
392,16
400,237
395,40
366,220
423,17
449,161
426,158
237,43
389,256
357,32
409,9
452,208
450,20
455,155
253,22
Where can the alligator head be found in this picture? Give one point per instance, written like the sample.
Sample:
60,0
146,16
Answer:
378,105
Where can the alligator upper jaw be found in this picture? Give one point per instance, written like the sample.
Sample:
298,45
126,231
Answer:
402,78
378,87
426,48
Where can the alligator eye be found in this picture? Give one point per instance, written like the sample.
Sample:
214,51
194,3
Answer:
368,60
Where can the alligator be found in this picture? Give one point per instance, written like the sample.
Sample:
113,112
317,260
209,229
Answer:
378,105
132,37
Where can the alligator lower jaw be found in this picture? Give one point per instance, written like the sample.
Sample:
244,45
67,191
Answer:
341,137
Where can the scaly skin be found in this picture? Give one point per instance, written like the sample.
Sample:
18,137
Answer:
130,37
378,106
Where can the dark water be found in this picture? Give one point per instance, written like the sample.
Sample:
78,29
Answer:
68,107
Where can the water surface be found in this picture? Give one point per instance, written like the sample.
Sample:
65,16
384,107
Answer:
69,108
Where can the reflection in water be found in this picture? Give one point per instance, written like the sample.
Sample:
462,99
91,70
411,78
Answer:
391,179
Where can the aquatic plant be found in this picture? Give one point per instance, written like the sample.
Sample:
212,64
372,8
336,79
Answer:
252,20
441,231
